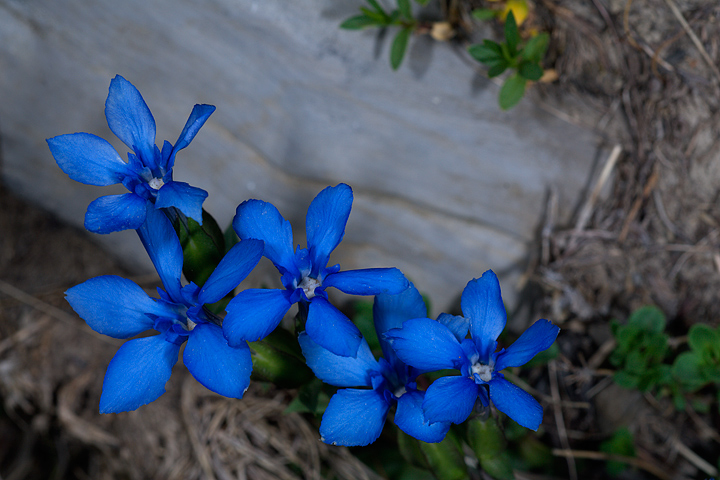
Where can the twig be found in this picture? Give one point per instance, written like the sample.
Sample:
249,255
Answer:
694,458
559,419
678,14
636,462
635,209
48,309
584,215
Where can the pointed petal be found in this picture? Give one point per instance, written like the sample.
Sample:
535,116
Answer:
216,365
129,118
458,325
115,306
325,222
354,418
88,159
390,311
184,197
237,263
482,304
261,220
369,281
411,419
162,245
534,340
253,314
516,403
137,374
113,213
427,345
331,329
198,116
450,399
337,370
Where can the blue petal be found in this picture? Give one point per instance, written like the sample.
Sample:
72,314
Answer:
337,370
184,197
390,311
427,345
482,304
411,419
450,399
253,314
219,367
129,118
354,418
114,213
534,340
162,245
88,159
115,306
331,329
325,222
237,263
369,281
198,116
261,220
456,324
137,374
516,403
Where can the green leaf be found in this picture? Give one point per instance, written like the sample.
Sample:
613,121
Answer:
512,36
277,359
648,318
405,9
703,338
497,67
445,459
625,379
687,371
485,53
621,443
512,91
531,71
399,45
485,437
498,466
359,22
484,14
381,19
422,2
377,7
536,47
363,318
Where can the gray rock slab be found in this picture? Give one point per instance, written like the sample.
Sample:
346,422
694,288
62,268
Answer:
446,185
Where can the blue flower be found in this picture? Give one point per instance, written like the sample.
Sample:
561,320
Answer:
254,313
89,159
355,417
430,345
119,308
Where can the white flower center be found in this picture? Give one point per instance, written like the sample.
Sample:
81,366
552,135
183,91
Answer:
309,284
190,325
483,371
400,391
156,183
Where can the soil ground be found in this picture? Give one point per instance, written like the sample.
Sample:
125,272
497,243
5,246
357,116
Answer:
643,74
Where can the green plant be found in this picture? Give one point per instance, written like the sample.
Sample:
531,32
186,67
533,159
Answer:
376,16
642,347
511,54
700,366
621,443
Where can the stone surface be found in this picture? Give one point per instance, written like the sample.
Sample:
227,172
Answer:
446,185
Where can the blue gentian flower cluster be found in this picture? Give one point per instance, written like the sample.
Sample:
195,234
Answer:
216,349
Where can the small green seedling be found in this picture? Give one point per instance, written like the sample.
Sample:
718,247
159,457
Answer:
376,16
510,54
642,346
701,365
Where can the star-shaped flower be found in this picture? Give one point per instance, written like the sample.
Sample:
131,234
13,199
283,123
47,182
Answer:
356,416
430,345
119,308
89,159
254,313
